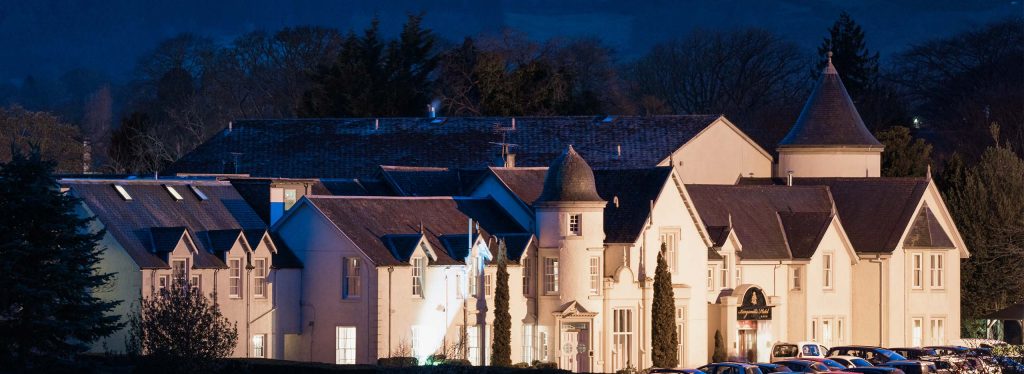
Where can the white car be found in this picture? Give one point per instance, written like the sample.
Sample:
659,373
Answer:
789,351
851,361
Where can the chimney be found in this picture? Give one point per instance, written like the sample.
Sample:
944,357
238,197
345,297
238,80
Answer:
618,151
510,160
87,157
431,110
789,178
231,126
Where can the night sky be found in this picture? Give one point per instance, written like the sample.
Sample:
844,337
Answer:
49,37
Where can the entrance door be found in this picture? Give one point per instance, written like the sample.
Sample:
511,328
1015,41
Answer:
569,341
748,345
575,350
583,351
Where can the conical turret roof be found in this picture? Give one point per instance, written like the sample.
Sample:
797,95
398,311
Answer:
569,178
829,118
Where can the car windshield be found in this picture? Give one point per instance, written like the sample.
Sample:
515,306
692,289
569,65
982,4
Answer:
811,350
785,350
819,367
860,362
833,364
890,355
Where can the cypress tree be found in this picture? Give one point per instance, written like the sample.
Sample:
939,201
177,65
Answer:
49,260
664,338
501,347
719,353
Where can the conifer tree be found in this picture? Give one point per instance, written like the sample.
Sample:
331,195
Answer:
857,66
49,260
664,338
904,156
501,347
719,353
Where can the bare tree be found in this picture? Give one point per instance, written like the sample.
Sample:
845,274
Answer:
57,141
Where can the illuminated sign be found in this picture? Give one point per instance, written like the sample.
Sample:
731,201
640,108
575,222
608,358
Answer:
754,306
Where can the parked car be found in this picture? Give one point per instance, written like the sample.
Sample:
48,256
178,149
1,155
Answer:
946,365
949,350
767,368
912,366
805,366
851,361
786,351
874,355
915,353
730,368
832,364
875,370
675,371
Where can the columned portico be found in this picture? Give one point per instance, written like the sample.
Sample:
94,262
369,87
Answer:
577,338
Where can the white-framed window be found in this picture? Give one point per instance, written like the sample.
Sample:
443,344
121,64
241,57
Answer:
840,331
473,344
173,192
351,285
527,272
542,341
419,267
723,275
916,332
459,287
671,241
258,349
937,331
575,224
814,330
488,285
826,332
124,193
739,276
196,282
290,196
527,343
419,340
797,281
163,282
681,334
595,275
550,275
917,274
937,273
622,338
345,345
711,278
179,270
235,277
473,274
827,274
259,277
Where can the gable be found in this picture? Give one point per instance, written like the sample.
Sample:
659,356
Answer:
926,232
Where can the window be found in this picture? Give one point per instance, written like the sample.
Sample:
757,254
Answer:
671,241
527,343
542,339
235,277
681,334
488,287
724,276
345,347
174,193
918,271
711,278
289,198
550,275
350,285
257,346
418,268
814,329
937,274
197,283
840,332
260,277
527,271
199,194
739,276
826,332
459,287
797,279
473,344
164,282
419,341
575,221
595,275
827,274
622,338
938,331
124,193
916,332
179,270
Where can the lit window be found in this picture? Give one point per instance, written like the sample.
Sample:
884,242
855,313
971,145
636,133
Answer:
916,332
574,224
938,331
622,338
937,274
179,270
827,274
257,346
199,194
550,275
419,340
527,343
163,282
418,268
174,193
724,276
488,288
260,277
350,279
918,271
290,195
797,278
235,277
595,275
526,276
197,283
345,346
121,191
473,344
826,332
472,274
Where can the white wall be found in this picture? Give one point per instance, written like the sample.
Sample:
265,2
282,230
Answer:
830,162
719,155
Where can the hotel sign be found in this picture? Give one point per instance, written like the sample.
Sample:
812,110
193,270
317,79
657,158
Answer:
754,306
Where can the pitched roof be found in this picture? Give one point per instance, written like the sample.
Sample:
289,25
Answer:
366,220
829,118
152,210
402,246
569,178
354,147
874,211
525,183
166,238
285,258
756,214
926,232
634,189
352,187
431,181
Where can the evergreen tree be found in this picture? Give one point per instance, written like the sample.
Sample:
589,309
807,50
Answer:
904,156
719,353
49,260
411,60
664,338
857,66
501,347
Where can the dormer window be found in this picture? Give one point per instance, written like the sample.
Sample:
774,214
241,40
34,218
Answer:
419,268
124,193
174,193
199,194
575,224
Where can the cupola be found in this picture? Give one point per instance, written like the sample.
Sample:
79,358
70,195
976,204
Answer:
569,179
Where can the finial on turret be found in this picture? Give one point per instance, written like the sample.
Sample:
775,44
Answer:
830,56
928,173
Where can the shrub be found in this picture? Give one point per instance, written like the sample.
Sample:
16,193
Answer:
397,362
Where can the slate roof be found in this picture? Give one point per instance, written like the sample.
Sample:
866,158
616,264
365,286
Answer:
569,178
875,211
368,220
525,183
352,187
635,189
926,232
153,219
354,147
760,216
402,246
430,181
829,118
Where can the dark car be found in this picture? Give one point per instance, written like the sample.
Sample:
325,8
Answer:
676,371
773,368
874,355
915,353
949,350
912,366
730,368
832,364
875,370
945,365
805,366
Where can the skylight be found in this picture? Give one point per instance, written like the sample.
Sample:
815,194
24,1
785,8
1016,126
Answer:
121,191
174,193
197,192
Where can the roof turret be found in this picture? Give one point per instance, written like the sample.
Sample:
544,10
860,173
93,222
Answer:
569,178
